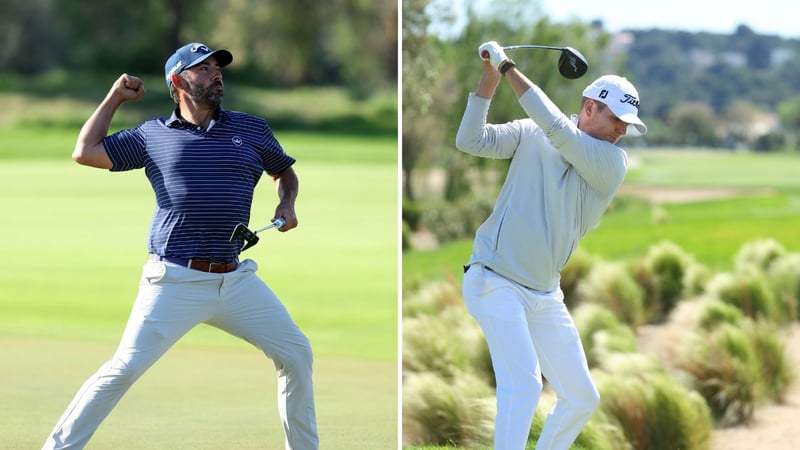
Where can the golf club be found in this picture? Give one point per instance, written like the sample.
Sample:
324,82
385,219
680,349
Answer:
249,237
571,64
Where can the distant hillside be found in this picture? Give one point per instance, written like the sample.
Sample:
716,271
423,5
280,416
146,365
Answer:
675,66
671,68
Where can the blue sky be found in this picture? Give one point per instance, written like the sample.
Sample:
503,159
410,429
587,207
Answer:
763,16
716,16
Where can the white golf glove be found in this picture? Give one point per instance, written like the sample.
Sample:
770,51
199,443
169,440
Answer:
492,51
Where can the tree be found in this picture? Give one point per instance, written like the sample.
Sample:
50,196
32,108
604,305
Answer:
32,36
340,42
422,128
694,124
740,119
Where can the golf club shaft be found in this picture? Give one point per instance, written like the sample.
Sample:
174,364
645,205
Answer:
546,47
279,222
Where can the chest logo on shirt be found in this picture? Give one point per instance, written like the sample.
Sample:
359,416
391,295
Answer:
237,141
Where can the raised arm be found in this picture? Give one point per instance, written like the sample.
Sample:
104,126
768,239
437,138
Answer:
474,135
89,149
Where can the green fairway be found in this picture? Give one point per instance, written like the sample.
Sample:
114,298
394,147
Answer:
76,238
697,168
712,231
193,398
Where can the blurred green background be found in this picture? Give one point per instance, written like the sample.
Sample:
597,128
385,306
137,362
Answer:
325,78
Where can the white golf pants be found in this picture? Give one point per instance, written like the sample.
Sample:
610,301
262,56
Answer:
171,301
531,333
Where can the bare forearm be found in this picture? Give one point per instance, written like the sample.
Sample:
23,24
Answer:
89,149
518,81
488,82
90,138
287,186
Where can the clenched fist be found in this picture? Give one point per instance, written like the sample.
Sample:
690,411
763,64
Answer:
128,87
493,53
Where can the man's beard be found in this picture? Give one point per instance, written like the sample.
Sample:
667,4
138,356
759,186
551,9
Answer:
208,96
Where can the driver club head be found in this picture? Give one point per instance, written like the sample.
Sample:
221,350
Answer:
572,64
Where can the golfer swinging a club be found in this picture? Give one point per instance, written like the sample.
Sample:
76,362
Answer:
203,163
562,176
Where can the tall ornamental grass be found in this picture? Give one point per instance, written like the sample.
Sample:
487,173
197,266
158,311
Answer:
784,276
602,332
458,412
749,291
652,409
612,286
662,274
447,344
723,368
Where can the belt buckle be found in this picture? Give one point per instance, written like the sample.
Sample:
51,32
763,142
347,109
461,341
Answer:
211,267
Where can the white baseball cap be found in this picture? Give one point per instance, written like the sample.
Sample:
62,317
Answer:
621,97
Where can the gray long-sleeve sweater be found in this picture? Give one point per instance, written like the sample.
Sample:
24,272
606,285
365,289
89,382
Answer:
559,184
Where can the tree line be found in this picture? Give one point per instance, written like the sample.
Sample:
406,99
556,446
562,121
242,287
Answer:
740,90
350,43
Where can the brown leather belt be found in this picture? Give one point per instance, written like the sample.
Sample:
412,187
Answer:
199,264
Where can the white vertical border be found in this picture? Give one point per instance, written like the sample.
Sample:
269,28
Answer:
399,224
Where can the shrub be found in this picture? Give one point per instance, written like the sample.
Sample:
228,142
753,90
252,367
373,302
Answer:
611,285
695,279
724,370
458,411
445,344
599,433
575,271
775,367
406,236
411,213
455,220
714,312
653,410
749,291
758,253
601,332
661,274
432,298
784,276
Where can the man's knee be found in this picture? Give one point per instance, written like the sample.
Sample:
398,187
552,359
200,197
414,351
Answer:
586,405
298,358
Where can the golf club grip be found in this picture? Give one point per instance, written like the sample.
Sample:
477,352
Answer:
279,222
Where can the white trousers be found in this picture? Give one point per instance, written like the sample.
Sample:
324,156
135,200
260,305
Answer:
171,301
531,333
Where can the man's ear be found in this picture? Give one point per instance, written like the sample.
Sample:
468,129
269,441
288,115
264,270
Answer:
590,107
176,79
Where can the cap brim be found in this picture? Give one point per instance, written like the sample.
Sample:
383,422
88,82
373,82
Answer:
635,125
223,58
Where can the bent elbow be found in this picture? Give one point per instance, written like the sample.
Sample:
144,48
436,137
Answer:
91,156
465,141
459,143
79,155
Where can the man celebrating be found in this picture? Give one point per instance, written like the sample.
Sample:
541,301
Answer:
203,163
562,177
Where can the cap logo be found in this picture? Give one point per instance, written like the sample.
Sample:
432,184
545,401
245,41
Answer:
603,93
175,68
631,100
200,48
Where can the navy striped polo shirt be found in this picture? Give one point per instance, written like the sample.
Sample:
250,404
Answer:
203,178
